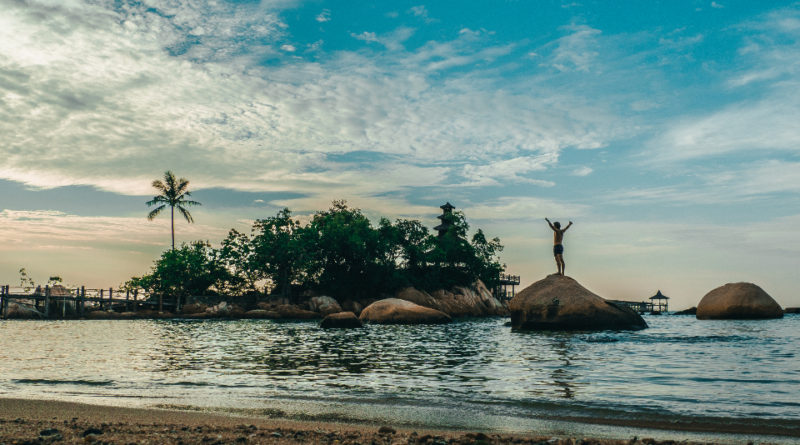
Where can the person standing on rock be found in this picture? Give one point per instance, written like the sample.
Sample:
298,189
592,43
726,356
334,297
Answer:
558,248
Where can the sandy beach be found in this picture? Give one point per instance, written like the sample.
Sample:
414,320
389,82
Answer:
40,422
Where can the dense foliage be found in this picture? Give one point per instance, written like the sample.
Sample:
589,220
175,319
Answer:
338,252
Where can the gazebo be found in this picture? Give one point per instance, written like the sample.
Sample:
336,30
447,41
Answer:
659,303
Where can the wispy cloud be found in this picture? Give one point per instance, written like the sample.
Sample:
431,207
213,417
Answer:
129,92
576,51
324,16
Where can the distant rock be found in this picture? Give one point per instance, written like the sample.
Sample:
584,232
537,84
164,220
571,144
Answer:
22,312
341,320
260,314
792,310
194,308
397,311
561,303
474,301
324,305
691,311
353,306
225,309
292,312
60,291
738,301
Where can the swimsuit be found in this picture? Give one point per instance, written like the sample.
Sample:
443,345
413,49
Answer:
558,249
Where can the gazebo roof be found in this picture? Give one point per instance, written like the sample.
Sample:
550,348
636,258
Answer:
659,296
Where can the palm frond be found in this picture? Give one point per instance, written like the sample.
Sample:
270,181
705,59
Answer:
186,214
190,203
156,211
160,186
181,188
157,200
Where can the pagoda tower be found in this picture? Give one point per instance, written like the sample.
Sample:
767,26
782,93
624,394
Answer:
446,217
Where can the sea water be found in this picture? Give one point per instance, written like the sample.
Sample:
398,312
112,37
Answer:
471,373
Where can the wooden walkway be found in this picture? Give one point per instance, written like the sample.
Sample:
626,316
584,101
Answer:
57,302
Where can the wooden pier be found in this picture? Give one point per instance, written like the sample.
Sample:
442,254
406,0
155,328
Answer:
58,302
502,291
658,304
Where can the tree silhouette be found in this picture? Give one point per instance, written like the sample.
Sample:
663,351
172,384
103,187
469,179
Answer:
173,193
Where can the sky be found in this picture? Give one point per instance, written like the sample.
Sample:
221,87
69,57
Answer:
667,131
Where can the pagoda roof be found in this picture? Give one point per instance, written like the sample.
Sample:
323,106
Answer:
447,206
659,296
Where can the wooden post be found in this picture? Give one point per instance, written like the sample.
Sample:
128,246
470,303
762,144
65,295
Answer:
127,300
110,303
47,301
83,300
135,303
160,302
2,302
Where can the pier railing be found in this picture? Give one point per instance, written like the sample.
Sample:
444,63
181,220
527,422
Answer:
56,301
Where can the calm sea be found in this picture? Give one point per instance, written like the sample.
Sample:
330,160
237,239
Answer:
475,374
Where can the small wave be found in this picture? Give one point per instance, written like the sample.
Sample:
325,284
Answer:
64,382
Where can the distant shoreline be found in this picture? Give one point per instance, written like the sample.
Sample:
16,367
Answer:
26,419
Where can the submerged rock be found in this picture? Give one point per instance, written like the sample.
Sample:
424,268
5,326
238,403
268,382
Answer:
738,301
561,303
341,320
397,311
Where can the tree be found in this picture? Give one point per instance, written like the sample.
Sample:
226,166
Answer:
237,254
173,193
346,256
277,250
189,270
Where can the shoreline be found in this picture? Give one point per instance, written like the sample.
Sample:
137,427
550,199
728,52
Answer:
33,420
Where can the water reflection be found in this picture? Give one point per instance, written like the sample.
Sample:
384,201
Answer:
679,364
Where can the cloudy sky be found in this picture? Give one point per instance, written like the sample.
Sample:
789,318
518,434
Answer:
667,131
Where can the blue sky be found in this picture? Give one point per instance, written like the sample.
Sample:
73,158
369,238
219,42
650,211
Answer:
667,131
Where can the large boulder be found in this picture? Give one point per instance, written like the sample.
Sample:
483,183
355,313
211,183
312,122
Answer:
324,305
738,301
561,303
341,320
473,301
397,311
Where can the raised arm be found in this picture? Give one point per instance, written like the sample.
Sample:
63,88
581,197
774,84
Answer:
565,228
550,224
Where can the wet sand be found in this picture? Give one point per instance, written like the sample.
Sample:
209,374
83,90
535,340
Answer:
44,422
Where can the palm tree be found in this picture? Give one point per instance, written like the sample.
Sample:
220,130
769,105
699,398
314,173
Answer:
173,193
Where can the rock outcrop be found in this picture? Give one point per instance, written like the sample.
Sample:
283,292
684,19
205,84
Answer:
341,320
324,305
292,312
792,310
225,310
691,311
397,311
475,301
738,301
561,303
